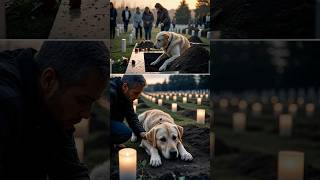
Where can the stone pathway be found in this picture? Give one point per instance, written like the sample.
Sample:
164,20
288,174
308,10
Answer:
89,22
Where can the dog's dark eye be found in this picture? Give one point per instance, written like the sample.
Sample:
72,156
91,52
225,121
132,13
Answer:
174,137
163,139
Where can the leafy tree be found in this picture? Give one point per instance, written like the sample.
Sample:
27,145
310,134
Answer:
183,13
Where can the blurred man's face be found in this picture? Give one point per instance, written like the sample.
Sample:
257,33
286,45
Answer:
70,104
132,93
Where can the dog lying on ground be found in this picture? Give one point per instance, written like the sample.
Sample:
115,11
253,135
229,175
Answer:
162,135
172,44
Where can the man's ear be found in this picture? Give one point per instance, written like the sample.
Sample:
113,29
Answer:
151,137
49,82
180,132
125,87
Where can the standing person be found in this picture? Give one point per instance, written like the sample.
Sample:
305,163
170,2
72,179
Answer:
148,19
113,20
123,91
163,17
42,97
174,22
126,15
137,22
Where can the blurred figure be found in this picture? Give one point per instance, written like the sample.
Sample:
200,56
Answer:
113,20
163,17
137,22
174,20
148,19
126,15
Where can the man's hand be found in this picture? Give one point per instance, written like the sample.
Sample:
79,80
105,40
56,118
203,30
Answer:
143,135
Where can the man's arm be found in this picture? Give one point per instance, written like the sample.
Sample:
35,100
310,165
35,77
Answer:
133,121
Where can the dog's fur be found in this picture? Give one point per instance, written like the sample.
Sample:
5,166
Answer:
162,135
173,45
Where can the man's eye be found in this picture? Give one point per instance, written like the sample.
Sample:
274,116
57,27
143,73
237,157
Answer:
174,137
163,139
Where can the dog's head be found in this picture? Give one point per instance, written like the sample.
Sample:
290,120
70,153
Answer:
162,39
166,137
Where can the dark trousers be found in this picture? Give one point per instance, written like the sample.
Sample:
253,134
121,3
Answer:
120,133
166,27
147,32
112,30
139,28
125,23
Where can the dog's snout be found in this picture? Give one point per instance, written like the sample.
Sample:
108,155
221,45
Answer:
173,154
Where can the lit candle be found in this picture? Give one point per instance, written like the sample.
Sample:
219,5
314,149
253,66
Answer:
243,105
285,124
154,99
190,96
207,95
274,99
127,164
174,98
277,108
201,113
239,121
290,165
167,98
293,108
184,99
135,108
223,103
199,101
123,45
160,102
310,109
174,107
135,102
256,108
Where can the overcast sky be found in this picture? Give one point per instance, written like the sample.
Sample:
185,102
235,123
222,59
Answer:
168,4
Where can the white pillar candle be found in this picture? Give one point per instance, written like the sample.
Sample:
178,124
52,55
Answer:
167,98
207,95
285,125
187,31
154,99
201,114
174,98
290,165
135,108
117,32
192,33
243,105
274,99
127,164
123,45
208,35
224,103
190,96
159,102
130,39
199,33
184,99
300,101
80,147
239,121
256,108
277,108
135,102
293,108
199,101
174,107
310,109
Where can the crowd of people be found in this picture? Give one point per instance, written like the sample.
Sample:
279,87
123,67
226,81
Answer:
141,20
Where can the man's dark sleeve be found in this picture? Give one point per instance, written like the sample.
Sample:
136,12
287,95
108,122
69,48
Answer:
166,17
158,18
132,119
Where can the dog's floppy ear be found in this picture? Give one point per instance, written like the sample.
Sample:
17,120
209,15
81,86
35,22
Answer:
151,137
180,132
166,35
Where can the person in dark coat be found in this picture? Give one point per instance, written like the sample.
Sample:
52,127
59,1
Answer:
113,21
123,91
42,96
148,19
126,15
163,17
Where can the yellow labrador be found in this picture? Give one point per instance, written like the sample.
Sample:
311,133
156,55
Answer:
172,44
162,135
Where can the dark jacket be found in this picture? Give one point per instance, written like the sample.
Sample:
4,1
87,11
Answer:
124,16
147,19
163,17
121,107
32,144
113,17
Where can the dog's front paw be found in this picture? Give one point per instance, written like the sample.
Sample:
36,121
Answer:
155,161
134,138
163,67
154,63
186,156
